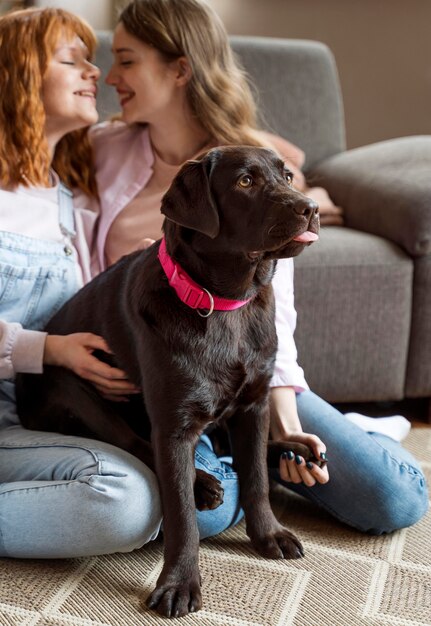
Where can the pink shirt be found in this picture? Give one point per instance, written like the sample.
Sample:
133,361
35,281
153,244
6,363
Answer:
127,229
125,165
142,214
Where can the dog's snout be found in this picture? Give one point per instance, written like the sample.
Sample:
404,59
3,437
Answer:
306,207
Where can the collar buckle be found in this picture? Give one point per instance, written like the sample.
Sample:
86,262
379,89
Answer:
187,292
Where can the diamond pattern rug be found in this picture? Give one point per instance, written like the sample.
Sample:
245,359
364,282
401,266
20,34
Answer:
345,579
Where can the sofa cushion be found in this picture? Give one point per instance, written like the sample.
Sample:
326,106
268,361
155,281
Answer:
353,296
385,189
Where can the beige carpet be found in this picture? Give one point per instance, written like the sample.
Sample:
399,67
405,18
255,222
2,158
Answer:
346,579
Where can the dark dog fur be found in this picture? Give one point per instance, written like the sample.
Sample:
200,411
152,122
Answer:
230,215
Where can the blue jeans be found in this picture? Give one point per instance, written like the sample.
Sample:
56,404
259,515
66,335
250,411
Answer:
63,496
375,485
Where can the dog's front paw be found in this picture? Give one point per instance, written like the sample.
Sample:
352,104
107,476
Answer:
208,491
176,599
276,448
279,544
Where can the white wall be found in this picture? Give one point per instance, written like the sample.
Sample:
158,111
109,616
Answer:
99,13
382,49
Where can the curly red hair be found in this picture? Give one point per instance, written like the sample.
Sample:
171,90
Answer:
27,42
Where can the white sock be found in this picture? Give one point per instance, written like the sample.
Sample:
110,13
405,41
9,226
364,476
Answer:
395,426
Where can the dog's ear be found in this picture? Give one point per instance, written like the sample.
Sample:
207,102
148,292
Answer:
189,202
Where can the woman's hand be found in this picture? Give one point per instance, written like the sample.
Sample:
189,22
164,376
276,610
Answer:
293,468
285,426
145,243
75,352
330,214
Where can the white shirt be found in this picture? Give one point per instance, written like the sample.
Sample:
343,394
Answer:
33,212
287,372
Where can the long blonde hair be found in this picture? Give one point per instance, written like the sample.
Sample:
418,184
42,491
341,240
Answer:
27,43
218,93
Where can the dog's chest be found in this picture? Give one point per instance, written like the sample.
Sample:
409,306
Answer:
226,365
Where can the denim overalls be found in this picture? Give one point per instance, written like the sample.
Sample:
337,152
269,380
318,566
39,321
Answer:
36,278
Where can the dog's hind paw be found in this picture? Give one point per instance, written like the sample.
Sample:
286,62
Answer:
208,491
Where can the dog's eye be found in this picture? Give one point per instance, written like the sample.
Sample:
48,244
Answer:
289,178
245,182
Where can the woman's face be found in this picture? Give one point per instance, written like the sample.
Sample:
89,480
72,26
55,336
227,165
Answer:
69,89
146,84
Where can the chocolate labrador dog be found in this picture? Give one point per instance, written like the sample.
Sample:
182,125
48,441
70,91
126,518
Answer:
191,321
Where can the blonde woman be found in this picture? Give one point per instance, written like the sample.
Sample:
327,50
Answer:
181,92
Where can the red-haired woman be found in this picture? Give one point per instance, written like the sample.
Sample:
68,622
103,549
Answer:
60,496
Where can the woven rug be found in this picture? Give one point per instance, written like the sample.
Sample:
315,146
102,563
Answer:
345,579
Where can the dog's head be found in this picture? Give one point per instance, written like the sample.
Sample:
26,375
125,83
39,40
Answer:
243,199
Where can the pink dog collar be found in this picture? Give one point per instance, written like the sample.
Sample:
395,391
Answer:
191,293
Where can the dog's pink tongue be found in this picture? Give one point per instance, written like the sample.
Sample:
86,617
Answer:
306,237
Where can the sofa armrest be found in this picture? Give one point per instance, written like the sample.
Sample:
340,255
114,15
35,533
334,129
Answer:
384,189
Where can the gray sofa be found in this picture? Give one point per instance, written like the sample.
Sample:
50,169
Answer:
363,292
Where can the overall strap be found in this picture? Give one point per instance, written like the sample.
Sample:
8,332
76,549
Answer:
66,217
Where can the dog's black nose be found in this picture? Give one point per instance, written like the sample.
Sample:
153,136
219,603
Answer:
306,207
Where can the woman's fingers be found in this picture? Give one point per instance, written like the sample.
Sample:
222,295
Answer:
289,467
112,379
108,377
296,470
321,474
92,341
93,366
306,474
75,352
331,220
145,243
113,396
315,444
312,441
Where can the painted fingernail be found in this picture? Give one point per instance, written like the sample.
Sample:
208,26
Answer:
290,455
309,465
284,455
298,460
323,456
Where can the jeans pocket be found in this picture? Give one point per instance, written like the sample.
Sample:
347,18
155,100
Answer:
31,295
